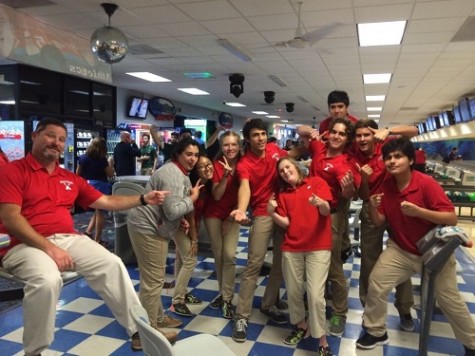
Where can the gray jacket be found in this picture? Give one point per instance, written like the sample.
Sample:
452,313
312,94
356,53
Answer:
164,220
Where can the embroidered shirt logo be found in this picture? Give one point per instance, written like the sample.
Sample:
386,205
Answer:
67,184
328,166
275,156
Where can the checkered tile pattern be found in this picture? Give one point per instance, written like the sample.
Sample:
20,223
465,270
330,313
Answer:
85,326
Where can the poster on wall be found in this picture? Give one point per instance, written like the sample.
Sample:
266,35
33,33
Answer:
27,40
12,139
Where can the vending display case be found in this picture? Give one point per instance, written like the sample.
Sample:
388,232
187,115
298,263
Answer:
112,139
82,139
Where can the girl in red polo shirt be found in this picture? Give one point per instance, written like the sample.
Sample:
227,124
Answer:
223,233
302,208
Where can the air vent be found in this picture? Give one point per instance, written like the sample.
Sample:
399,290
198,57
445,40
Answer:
143,49
22,4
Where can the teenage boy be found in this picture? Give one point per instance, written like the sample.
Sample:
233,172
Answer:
412,203
368,156
257,174
338,103
148,156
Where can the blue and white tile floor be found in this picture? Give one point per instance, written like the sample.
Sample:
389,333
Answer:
85,326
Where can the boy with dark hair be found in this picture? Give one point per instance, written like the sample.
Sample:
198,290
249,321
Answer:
257,174
338,103
413,204
367,154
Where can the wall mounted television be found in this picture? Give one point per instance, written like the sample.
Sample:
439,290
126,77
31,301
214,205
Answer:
421,127
464,108
442,120
137,107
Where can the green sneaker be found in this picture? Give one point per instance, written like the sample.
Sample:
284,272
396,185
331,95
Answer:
295,336
337,325
325,351
191,299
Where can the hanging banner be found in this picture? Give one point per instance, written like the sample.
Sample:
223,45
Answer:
26,40
161,108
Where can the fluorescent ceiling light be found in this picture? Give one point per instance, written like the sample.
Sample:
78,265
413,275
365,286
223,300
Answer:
374,108
260,112
284,121
7,102
235,105
232,48
376,78
149,77
193,91
375,97
273,117
381,33
374,116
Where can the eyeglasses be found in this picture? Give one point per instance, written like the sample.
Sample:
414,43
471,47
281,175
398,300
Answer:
205,166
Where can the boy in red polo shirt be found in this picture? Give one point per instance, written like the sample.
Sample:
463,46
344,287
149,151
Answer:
413,204
257,175
368,156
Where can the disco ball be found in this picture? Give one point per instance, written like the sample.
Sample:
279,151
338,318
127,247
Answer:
109,44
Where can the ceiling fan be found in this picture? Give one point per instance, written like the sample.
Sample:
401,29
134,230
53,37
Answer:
302,40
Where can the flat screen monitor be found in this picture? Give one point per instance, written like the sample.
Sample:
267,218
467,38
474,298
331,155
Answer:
464,108
436,122
457,116
137,108
421,127
443,119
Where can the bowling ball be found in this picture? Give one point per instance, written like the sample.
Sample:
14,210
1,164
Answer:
472,197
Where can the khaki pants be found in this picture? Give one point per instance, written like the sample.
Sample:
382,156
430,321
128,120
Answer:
260,234
312,266
395,266
151,252
224,251
336,275
371,248
184,266
104,272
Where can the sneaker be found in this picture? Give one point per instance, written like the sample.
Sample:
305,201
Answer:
168,322
191,299
337,325
325,351
217,302
181,309
275,315
295,336
171,336
281,305
228,310
406,324
240,330
368,341
136,342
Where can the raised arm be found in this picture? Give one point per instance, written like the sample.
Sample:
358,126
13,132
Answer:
244,197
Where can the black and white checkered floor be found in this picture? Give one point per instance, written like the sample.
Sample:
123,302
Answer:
85,326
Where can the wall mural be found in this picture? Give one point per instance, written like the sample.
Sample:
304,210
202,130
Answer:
439,149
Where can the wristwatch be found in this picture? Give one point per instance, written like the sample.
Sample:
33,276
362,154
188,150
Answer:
142,200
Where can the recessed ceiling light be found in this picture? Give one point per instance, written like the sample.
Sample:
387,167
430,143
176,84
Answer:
235,105
149,77
374,116
193,91
260,112
375,97
374,108
376,78
284,121
381,33
273,117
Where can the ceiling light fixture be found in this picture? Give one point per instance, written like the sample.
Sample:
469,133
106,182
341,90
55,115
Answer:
108,43
234,104
273,117
150,77
278,81
381,33
374,108
375,97
232,48
374,116
382,78
260,112
193,91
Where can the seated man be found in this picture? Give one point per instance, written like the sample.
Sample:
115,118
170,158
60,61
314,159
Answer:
36,196
413,204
